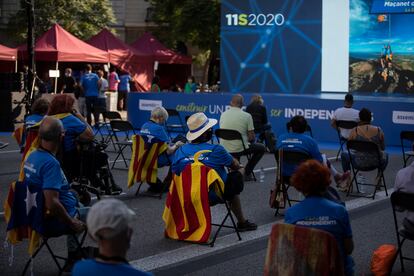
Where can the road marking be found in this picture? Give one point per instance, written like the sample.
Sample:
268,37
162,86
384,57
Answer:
9,151
188,252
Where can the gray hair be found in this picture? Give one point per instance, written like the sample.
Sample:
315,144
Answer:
159,112
50,129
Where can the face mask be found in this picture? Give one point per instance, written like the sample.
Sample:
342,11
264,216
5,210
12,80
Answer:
67,74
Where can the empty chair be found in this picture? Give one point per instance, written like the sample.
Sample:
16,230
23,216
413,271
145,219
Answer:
407,137
124,127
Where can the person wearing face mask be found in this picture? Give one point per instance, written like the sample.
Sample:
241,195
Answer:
154,131
109,223
69,82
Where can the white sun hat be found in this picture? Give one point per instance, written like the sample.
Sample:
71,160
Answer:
198,123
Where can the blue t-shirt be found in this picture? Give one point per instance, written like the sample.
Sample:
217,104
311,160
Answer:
89,82
33,119
323,214
298,142
217,159
124,83
154,132
73,128
92,267
43,170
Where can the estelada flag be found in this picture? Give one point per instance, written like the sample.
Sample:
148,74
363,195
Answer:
18,135
187,213
144,160
23,212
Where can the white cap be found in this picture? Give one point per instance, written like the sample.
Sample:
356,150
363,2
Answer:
111,215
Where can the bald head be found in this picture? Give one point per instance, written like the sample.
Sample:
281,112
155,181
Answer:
237,101
51,129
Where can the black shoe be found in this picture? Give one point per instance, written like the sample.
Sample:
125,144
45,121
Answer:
246,226
248,178
115,189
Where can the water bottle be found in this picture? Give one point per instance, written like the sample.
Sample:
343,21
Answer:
261,175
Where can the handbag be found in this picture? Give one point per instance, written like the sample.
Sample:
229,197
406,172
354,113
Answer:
277,199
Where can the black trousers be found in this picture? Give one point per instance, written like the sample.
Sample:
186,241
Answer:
257,151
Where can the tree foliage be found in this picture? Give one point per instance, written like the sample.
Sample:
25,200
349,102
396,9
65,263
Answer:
83,18
194,22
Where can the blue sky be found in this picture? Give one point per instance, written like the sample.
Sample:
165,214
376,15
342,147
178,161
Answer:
367,35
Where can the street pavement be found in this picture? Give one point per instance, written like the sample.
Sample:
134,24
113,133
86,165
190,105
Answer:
371,222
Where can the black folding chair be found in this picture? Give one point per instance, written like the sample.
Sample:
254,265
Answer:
233,135
365,156
407,136
308,129
342,140
402,202
125,127
55,257
177,126
105,125
289,158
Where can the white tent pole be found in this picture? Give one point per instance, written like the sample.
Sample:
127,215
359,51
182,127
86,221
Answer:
56,78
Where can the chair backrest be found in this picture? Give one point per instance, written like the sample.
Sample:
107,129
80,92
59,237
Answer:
365,155
296,250
112,115
293,158
121,126
346,124
407,135
172,112
229,134
402,200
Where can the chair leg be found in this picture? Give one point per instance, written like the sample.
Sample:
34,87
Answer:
53,256
32,257
139,188
400,245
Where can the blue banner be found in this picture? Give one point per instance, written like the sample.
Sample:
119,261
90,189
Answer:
392,114
392,6
271,46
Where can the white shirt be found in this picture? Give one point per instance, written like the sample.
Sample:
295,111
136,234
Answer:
346,114
404,182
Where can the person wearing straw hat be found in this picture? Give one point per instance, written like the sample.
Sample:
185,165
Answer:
109,224
199,135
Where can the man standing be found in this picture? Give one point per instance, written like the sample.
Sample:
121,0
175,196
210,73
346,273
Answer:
346,113
69,82
124,89
110,225
404,182
43,170
236,119
89,83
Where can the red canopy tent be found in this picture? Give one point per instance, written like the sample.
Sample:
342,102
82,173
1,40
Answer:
125,57
8,55
174,68
59,45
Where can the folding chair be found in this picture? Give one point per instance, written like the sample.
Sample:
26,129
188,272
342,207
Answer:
55,257
407,136
342,140
308,129
119,126
178,126
230,134
100,124
402,202
365,156
296,250
187,214
108,116
289,158
144,165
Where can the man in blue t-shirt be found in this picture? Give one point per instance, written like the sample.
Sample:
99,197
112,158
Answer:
199,134
42,169
154,131
123,90
89,83
297,141
110,225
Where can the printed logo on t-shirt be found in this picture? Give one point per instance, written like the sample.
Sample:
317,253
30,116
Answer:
317,221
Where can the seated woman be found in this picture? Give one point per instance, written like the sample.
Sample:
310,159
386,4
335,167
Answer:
312,180
366,132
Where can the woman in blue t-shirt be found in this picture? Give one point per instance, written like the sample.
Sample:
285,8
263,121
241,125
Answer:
75,127
312,179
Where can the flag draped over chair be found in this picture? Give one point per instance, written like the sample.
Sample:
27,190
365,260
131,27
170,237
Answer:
187,213
144,160
18,134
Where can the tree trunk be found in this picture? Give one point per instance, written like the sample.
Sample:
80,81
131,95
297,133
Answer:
207,68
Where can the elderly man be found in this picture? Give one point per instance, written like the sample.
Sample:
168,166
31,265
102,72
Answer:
200,133
345,113
43,169
155,132
109,224
236,119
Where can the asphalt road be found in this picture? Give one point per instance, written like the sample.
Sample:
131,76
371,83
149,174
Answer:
371,228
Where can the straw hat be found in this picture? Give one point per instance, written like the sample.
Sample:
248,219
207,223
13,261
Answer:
198,123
